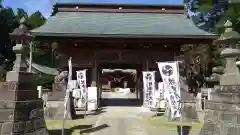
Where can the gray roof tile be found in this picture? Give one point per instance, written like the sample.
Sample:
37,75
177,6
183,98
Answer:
102,23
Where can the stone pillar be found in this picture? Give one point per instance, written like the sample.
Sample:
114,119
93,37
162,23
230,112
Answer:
223,115
21,111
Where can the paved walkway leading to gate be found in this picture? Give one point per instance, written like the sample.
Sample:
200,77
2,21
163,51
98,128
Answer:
120,121
126,120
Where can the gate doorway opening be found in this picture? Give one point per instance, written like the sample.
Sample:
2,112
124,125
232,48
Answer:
118,84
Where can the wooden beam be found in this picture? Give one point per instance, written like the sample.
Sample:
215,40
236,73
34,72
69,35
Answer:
126,40
116,10
124,6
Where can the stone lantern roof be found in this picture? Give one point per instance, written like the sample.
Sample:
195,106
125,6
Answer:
21,32
229,36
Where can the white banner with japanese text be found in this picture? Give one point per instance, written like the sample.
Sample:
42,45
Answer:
82,82
149,87
170,76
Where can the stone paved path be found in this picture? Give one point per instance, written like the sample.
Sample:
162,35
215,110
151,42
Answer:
125,120
120,121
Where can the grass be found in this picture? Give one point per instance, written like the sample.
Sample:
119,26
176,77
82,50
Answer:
161,122
72,127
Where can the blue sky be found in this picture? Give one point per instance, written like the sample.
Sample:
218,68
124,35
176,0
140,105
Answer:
45,6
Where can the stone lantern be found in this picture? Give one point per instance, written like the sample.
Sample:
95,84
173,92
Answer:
223,115
21,111
21,36
229,40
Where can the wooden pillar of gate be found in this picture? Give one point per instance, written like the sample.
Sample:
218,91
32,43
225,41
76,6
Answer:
95,77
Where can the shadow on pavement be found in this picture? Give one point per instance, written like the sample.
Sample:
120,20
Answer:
83,129
120,102
80,114
157,114
96,112
69,131
94,129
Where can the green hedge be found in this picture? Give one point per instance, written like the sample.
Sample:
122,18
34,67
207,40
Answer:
44,80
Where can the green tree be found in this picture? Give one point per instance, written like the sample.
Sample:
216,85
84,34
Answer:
232,14
42,53
21,14
7,25
36,20
40,49
8,22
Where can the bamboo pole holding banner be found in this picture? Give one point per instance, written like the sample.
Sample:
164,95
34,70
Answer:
86,95
67,96
181,118
86,101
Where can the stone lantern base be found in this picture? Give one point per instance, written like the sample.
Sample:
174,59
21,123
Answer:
223,112
21,112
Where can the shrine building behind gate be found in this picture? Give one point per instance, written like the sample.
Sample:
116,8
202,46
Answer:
124,36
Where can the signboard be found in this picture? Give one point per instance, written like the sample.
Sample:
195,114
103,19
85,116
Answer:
170,75
159,96
92,98
149,87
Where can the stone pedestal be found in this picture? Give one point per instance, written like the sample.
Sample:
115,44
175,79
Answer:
223,112
54,109
21,111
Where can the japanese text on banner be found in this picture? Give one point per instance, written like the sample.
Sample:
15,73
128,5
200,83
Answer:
170,75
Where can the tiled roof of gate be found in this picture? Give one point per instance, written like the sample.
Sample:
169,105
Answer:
94,24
